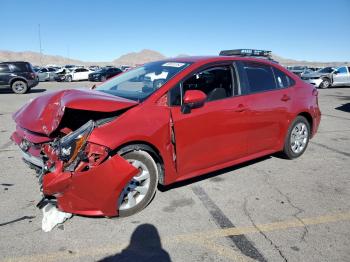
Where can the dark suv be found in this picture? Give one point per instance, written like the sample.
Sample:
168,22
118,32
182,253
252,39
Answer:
20,76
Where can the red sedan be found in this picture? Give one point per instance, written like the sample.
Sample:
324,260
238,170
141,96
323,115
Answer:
103,152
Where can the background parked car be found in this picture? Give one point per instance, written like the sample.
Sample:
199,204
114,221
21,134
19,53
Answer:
104,73
60,75
298,70
320,78
46,74
78,74
20,76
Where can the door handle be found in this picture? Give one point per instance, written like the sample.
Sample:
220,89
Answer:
285,98
240,108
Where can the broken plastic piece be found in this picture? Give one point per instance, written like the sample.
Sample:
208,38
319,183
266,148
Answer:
52,217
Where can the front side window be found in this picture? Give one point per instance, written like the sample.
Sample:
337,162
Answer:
326,70
139,83
215,82
259,77
342,70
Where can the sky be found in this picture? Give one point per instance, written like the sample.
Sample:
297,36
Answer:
104,30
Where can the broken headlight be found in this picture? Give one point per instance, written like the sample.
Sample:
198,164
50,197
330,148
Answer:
71,144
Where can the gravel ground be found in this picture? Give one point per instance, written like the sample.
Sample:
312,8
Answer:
269,209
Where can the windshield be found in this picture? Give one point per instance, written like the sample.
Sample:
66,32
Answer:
326,70
141,82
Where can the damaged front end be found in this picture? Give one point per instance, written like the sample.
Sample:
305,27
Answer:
83,177
75,175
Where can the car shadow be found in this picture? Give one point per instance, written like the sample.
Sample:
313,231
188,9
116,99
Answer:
9,91
145,245
186,182
344,107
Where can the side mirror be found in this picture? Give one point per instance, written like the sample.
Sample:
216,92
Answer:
335,72
193,99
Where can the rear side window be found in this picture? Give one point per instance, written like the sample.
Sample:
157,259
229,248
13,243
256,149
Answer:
21,67
282,80
260,77
4,69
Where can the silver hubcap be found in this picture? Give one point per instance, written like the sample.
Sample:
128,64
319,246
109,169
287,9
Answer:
137,188
325,83
299,137
19,86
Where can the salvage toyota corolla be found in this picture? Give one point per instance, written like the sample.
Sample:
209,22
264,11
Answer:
103,152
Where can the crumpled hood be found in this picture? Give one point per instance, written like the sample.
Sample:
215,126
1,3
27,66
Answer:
44,113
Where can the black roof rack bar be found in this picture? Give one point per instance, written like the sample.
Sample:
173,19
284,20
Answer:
246,52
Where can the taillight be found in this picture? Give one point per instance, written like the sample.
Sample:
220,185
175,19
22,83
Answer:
32,75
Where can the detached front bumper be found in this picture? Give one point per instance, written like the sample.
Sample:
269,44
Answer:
94,192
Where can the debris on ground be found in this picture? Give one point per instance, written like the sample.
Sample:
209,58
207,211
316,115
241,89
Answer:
52,217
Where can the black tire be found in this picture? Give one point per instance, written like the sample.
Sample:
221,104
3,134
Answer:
19,87
69,79
146,159
288,152
103,78
326,82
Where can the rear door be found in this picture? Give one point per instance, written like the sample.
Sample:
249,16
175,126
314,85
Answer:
212,134
268,100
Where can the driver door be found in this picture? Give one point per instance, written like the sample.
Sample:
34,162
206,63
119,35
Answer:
215,133
341,77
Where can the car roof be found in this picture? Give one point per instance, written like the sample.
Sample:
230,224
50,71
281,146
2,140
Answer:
210,59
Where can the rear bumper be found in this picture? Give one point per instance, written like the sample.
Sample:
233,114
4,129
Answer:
32,83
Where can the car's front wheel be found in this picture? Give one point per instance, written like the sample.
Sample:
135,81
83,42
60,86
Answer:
19,87
69,79
103,78
297,138
140,190
326,82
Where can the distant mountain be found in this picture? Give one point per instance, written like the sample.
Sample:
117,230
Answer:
134,58
141,57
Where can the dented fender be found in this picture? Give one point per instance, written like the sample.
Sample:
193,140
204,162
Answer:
75,193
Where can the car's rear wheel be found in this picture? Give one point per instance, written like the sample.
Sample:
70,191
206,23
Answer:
326,82
297,138
19,87
140,190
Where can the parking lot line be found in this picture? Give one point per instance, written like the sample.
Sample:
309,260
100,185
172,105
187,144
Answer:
202,239
332,149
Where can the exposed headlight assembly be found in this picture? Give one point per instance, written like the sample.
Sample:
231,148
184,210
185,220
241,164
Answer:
70,145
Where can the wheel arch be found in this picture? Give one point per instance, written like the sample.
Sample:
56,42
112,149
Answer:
309,119
18,78
145,146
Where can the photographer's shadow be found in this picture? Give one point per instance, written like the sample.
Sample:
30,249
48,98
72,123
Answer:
144,245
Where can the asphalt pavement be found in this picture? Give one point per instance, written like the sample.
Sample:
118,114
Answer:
269,209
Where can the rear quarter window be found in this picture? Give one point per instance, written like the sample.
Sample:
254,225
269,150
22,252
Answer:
282,79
